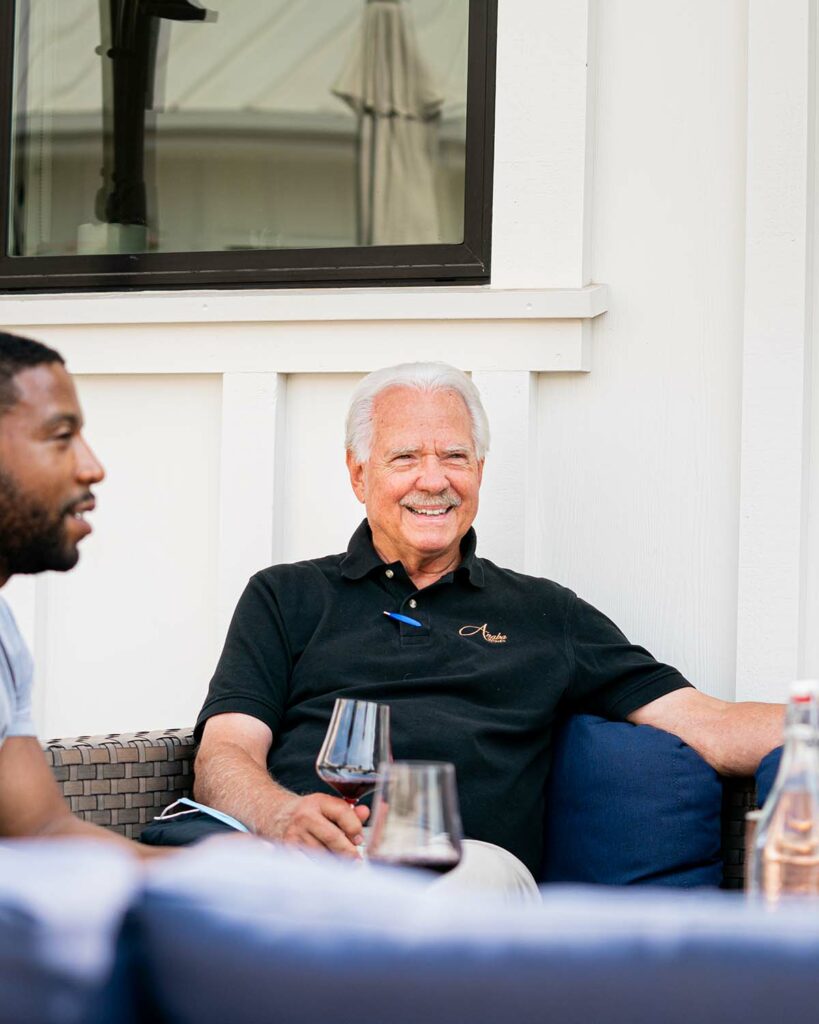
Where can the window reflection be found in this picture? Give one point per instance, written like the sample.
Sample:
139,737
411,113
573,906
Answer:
277,125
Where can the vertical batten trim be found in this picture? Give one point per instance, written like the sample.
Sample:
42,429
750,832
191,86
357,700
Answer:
507,528
775,348
809,594
248,514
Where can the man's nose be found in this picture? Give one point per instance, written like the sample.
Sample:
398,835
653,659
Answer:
432,476
89,468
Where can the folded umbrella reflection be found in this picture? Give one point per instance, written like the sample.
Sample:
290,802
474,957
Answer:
389,86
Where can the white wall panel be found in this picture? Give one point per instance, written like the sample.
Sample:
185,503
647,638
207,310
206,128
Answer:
319,510
639,459
131,638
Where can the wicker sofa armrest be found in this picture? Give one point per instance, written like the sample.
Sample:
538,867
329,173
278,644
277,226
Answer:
738,797
123,780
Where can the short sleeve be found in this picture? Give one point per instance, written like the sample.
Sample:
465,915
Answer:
611,677
253,673
16,675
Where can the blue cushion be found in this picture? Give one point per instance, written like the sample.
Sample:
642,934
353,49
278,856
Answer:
629,804
766,773
62,908
250,935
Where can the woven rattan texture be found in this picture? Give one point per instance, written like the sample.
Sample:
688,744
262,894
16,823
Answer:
738,797
123,780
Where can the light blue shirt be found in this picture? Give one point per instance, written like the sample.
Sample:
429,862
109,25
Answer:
16,672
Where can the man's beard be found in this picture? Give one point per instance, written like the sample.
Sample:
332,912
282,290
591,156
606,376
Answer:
32,538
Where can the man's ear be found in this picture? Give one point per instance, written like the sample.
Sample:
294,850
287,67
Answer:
356,471
480,472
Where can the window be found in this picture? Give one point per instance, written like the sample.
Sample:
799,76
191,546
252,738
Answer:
157,143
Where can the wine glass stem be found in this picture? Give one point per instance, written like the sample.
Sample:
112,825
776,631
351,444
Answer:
362,849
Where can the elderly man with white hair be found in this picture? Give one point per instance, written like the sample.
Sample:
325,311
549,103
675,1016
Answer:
477,679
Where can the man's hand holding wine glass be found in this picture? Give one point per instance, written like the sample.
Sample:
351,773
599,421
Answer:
321,821
356,743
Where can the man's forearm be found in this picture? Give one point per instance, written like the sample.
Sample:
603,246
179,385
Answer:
732,738
230,780
69,825
31,804
756,729
231,774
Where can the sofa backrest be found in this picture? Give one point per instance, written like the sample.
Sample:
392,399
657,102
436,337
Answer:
122,781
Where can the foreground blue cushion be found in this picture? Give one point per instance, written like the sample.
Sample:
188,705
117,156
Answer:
254,936
62,907
766,774
629,804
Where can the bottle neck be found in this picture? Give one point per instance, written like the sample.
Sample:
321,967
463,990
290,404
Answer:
801,754
802,720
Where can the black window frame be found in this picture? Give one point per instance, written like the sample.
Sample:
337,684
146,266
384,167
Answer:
466,263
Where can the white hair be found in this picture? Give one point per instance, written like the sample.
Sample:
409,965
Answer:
424,377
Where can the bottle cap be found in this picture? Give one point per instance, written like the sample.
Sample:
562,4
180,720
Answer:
804,690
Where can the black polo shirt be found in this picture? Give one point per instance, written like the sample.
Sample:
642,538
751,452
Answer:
479,683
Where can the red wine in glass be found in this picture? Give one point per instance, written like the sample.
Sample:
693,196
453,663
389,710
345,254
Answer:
351,785
440,865
356,743
416,820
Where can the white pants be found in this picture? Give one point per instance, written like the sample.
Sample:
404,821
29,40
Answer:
491,869
484,867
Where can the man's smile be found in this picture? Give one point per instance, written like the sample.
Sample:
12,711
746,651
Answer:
77,510
434,512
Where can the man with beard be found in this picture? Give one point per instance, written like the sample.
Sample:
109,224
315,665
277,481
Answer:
46,474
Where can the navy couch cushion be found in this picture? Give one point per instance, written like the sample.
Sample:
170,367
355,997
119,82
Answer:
765,775
629,804
62,909
252,935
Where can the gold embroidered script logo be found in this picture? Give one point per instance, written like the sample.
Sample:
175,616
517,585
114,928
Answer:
490,638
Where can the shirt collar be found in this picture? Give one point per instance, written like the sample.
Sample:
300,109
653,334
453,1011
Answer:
361,558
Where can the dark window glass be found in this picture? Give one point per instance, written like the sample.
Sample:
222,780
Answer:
155,142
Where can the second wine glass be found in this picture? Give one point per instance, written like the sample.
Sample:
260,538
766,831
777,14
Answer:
356,743
416,819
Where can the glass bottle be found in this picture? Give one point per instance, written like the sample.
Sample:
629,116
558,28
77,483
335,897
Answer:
786,847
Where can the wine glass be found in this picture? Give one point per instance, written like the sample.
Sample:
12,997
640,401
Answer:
357,742
416,819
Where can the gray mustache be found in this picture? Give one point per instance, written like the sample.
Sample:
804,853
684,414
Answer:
417,500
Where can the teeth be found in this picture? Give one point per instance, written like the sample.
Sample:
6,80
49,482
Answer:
430,511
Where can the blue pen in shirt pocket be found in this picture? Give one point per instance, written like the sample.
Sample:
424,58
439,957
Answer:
398,617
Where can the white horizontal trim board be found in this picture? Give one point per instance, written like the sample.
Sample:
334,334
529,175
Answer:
335,347
308,304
